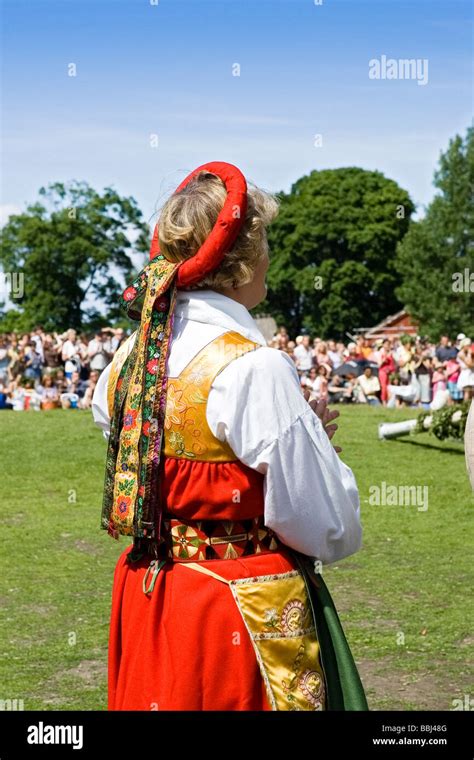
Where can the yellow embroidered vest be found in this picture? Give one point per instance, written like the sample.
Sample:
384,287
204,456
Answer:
186,432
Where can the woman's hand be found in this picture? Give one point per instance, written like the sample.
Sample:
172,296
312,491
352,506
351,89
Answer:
320,408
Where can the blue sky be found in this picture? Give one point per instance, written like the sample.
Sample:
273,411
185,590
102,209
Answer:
165,69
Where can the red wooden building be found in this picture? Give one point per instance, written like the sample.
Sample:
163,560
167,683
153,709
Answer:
393,326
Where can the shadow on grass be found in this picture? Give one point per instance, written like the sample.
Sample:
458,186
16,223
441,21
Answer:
436,446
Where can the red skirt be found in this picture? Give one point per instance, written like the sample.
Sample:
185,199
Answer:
185,645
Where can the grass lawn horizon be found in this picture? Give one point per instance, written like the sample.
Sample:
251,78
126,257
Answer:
404,599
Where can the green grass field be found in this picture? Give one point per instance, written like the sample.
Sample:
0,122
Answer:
405,599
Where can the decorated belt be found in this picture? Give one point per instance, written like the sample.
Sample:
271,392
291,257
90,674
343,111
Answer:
197,540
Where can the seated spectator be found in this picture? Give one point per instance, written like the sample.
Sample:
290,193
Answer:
69,400
4,360
18,396
307,380
60,380
24,396
86,401
336,389
33,363
350,389
5,402
369,388
48,393
404,393
76,385
316,382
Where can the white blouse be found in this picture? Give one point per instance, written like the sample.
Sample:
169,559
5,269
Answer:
256,405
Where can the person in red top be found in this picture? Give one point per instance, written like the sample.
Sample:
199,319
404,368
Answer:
386,367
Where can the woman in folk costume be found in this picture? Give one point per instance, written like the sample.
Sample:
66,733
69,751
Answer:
225,478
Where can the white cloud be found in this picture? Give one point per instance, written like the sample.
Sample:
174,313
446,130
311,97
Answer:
6,210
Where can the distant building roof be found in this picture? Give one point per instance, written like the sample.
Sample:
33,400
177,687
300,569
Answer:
393,326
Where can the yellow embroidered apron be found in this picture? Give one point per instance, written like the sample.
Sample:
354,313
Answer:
277,614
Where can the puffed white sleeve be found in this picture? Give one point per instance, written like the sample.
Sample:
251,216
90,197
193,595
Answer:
100,410
100,407
311,497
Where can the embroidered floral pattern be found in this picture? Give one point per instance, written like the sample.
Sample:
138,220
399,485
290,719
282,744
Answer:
176,441
130,494
198,374
175,407
294,616
312,686
187,432
305,682
284,637
292,621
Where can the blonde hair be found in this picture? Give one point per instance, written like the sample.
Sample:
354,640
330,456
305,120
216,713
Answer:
187,218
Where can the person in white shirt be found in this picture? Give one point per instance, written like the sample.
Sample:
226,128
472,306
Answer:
100,352
370,387
71,354
285,440
334,355
303,355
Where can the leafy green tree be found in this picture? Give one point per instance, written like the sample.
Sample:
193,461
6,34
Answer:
436,257
72,245
332,249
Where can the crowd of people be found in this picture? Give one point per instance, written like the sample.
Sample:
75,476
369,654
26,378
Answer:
41,370
400,371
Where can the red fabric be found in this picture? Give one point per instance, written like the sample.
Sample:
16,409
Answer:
185,646
209,490
225,230
387,366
